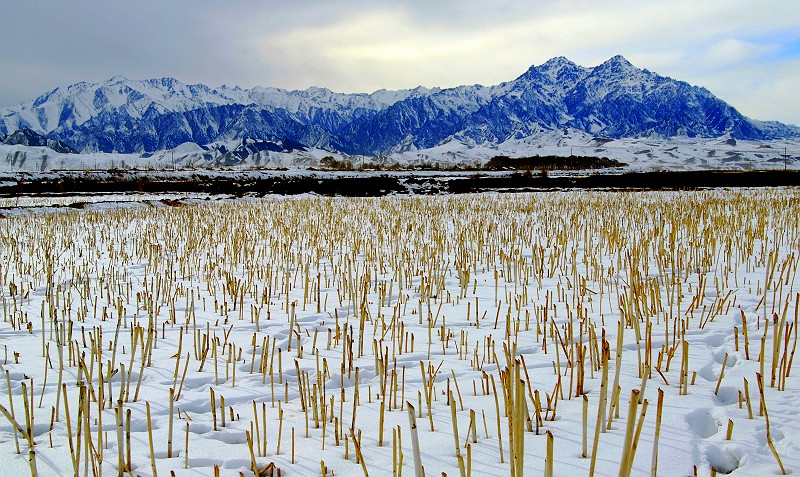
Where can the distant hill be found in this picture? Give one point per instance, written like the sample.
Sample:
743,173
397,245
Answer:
28,137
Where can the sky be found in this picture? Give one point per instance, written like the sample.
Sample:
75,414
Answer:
745,52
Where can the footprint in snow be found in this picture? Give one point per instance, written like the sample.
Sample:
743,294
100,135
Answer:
708,373
704,422
724,459
727,395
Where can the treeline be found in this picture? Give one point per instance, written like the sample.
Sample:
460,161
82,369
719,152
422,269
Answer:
539,163
372,185
551,163
332,164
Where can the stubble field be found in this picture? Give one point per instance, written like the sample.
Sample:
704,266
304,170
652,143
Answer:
635,333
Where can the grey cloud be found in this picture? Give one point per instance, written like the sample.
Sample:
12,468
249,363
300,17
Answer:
44,44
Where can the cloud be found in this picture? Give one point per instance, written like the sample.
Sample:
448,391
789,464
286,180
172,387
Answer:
364,45
383,49
732,51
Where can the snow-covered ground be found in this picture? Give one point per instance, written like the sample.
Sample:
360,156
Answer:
641,154
48,204
313,317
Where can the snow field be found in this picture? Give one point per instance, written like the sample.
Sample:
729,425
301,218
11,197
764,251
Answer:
296,331
640,154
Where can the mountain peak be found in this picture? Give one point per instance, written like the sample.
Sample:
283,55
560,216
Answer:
557,62
618,63
318,90
553,69
117,79
619,59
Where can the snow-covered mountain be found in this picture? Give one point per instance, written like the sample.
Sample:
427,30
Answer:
612,100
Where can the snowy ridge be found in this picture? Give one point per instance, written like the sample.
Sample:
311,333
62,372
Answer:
78,103
118,99
613,100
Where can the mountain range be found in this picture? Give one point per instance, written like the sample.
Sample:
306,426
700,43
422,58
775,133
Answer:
612,100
